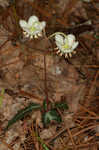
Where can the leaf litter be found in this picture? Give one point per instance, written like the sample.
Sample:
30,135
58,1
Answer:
71,82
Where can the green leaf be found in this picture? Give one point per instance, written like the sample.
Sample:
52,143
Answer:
51,115
61,105
45,105
41,141
22,113
97,36
45,147
1,96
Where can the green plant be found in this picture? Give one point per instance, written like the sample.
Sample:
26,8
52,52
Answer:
2,96
48,116
33,29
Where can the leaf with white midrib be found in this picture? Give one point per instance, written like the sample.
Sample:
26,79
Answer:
22,113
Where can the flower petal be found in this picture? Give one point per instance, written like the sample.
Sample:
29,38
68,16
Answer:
58,45
42,25
66,41
59,39
23,23
36,25
75,45
32,19
71,39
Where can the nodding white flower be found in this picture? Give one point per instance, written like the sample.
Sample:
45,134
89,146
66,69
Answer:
65,44
32,28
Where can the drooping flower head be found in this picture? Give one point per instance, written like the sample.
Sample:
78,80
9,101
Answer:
65,44
32,28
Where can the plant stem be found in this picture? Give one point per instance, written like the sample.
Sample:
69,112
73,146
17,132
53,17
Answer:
61,33
46,91
16,17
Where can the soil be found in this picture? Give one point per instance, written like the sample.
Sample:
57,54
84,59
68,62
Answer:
31,71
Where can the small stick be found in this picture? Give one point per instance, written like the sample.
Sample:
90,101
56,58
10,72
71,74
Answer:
69,132
86,110
85,129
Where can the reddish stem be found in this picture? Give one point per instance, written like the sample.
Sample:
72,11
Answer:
45,82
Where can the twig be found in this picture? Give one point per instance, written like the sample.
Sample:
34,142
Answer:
69,132
16,61
84,117
3,44
84,145
64,130
86,110
85,129
56,135
35,141
27,94
90,138
91,66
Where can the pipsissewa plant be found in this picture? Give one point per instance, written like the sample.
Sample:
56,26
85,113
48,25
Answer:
65,45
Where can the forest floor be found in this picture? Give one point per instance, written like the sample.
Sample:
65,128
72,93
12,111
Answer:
32,72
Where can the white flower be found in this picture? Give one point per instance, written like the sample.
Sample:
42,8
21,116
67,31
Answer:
32,28
66,44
